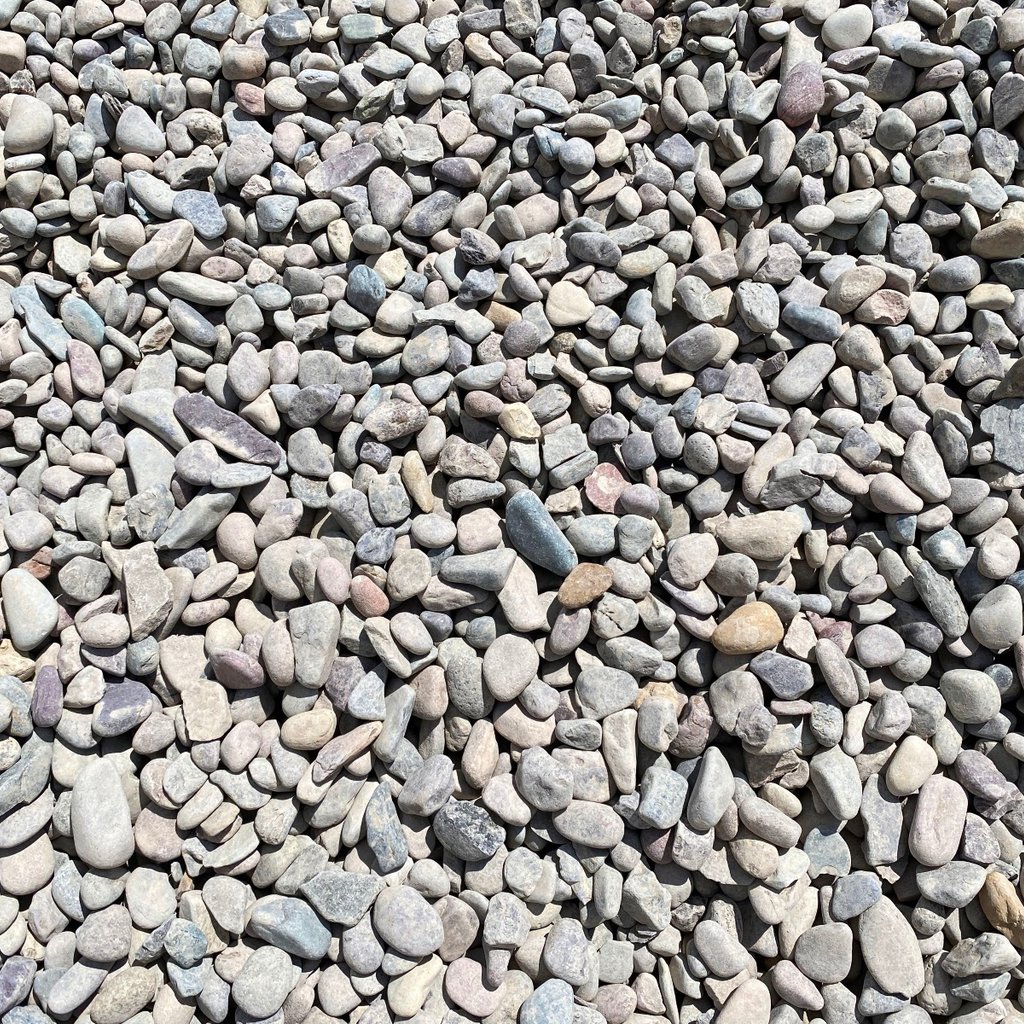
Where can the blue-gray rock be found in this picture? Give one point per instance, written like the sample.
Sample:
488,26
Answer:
535,536
384,833
550,1003
341,897
291,924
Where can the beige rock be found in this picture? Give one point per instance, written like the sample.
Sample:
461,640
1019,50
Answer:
14,664
853,286
123,995
765,536
27,868
207,715
12,52
913,763
751,628
1003,907
162,251
407,993
309,730
890,949
1000,241
568,305
938,822
750,1003
518,422
29,126
990,296
691,558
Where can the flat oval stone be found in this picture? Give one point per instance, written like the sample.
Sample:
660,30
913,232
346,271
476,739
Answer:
890,950
407,922
802,94
225,430
590,824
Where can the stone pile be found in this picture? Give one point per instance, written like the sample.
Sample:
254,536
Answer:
511,511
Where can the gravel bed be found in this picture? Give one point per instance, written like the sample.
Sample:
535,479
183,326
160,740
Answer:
511,512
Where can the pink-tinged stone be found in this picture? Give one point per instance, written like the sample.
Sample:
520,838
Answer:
251,99
237,670
465,986
367,598
840,633
802,94
657,844
604,486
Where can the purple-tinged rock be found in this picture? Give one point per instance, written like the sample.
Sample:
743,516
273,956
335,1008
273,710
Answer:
16,977
342,170
122,708
802,94
227,431
236,670
47,698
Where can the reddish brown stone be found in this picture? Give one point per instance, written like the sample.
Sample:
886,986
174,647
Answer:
604,486
658,844
367,598
251,99
40,564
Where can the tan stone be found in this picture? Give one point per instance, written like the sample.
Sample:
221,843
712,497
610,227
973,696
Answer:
568,305
309,730
1003,907
751,628
122,995
14,664
585,584
765,536
989,295
1000,241
501,316
518,422
887,307
207,715
853,286
661,691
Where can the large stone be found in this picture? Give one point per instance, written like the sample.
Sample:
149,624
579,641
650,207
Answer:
889,946
101,822
30,610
